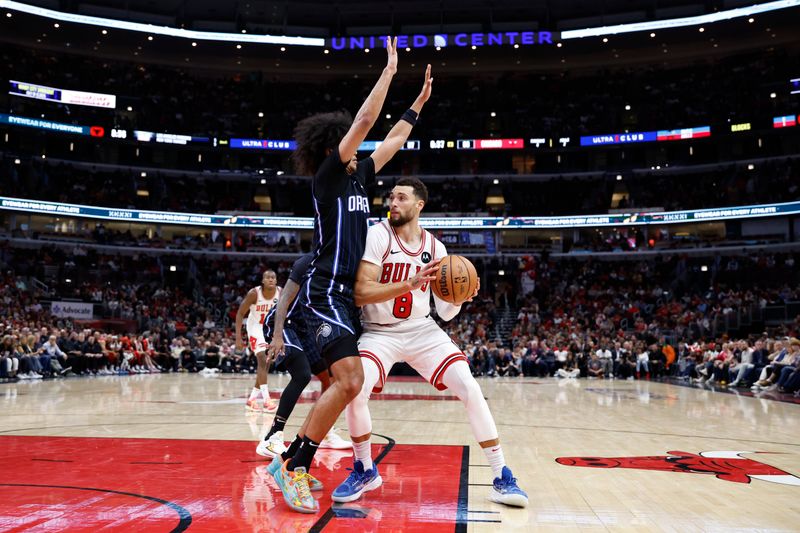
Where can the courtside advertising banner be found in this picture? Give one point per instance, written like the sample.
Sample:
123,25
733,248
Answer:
72,310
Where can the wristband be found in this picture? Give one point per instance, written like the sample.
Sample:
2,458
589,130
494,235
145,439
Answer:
410,116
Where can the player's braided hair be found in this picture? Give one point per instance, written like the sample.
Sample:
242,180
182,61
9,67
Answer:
316,135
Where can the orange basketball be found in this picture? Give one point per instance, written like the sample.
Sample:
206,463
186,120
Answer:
456,279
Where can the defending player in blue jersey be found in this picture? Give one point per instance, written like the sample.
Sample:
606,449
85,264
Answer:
326,148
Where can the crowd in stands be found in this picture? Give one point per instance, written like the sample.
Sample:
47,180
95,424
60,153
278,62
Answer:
641,319
186,101
627,319
725,185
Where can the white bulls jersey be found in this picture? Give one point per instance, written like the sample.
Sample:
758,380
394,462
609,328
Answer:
399,262
260,309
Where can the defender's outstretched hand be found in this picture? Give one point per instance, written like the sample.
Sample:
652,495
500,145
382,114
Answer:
391,52
425,93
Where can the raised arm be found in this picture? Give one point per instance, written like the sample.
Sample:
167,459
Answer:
371,108
398,135
369,290
244,307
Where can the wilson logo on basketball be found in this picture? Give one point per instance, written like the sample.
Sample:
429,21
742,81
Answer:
727,465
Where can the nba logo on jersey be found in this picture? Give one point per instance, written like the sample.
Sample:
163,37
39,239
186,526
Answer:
358,203
324,330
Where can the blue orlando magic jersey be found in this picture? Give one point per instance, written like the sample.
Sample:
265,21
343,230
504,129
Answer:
341,211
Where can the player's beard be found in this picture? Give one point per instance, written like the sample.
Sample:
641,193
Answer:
401,220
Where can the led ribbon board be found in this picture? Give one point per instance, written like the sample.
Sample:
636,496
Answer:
263,144
60,127
510,223
64,96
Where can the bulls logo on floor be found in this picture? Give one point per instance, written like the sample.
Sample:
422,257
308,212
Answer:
727,465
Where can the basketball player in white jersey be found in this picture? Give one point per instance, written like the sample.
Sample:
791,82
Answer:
257,305
392,287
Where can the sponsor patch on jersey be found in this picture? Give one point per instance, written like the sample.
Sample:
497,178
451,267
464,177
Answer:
426,257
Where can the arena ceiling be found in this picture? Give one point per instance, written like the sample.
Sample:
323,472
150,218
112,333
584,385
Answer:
352,17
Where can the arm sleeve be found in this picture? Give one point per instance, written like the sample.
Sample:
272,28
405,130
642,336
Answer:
331,177
377,246
445,310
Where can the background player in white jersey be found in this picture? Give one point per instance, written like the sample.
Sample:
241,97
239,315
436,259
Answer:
392,286
257,305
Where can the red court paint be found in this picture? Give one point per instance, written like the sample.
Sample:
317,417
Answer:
85,484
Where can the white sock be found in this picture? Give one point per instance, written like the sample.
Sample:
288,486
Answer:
363,452
265,391
494,454
255,393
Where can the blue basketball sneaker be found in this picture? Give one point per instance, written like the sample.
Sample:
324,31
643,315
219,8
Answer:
357,483
506,491
313,483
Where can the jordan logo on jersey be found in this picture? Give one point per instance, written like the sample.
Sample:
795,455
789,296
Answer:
358,203
394,272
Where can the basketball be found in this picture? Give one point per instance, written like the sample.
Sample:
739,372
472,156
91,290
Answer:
456,279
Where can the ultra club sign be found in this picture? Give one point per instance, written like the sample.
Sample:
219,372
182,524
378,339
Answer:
461,40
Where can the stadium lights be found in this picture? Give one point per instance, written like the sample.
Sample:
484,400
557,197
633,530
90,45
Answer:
56,25
627,107
68,280
697,20
702,29
704,268
194,43
619,177
149,37
283,48
279,173
9,15
380,183
652,34
751,166
104,32
260,114
143,174
17,161
492,114
75,18
173,268
129,108
773,95
263,181
496,181
407,49
388,116
501,272
751,20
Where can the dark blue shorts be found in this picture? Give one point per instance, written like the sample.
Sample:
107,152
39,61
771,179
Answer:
296,340
331,319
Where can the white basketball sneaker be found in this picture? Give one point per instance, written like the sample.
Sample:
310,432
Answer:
272,446
333,441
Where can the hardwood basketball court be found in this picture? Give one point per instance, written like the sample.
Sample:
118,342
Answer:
177,452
